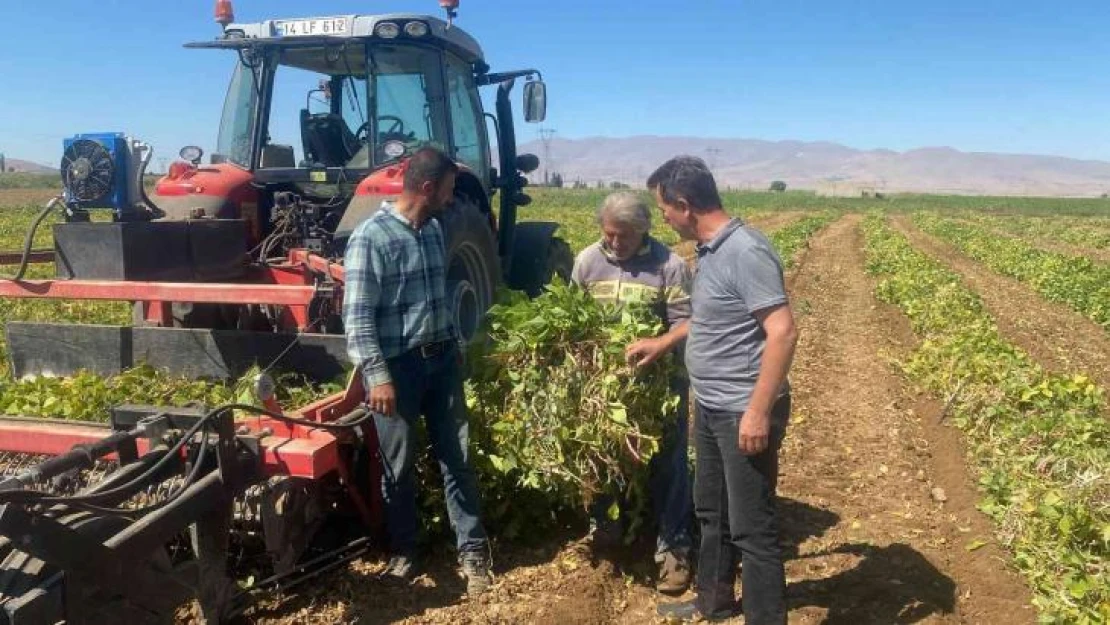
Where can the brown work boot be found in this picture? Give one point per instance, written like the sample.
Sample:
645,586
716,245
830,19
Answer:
674,573
401,568
475,568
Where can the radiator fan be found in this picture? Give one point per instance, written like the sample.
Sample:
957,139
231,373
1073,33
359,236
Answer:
88,171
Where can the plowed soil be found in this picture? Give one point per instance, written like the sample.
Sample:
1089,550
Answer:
1056,336
878,508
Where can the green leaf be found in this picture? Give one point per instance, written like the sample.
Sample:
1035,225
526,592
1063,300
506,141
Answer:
975,545
614,511
618,413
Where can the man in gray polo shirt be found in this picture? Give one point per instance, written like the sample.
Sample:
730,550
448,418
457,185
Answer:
740,346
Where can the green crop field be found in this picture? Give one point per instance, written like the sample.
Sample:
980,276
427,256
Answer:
917,283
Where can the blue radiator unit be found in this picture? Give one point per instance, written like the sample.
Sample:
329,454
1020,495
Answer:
95,170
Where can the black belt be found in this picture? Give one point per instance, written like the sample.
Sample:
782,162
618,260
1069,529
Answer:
431,350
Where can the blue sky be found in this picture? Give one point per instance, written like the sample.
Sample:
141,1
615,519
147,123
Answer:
984,75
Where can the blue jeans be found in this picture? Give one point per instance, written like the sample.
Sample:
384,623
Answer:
671,500
734,498
668,483
432,387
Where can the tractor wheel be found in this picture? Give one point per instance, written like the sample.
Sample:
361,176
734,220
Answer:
560,261
27,583
473,266
538,256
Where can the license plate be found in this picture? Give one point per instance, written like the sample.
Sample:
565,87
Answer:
311,27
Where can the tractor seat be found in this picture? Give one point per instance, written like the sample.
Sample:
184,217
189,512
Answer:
328,141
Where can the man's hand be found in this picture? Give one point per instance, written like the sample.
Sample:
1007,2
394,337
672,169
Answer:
646,351
755,430
383,399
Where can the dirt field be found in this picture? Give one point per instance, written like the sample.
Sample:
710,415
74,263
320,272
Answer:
877,506
1058,337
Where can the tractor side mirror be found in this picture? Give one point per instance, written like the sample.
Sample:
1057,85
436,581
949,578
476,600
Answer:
535,101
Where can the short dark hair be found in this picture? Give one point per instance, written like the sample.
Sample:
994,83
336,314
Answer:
687,178
428,164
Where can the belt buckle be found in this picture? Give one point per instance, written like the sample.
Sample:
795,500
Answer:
430,350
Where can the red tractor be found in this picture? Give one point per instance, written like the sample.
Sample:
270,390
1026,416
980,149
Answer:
234,263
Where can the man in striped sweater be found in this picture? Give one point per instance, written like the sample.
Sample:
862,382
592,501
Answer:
628,265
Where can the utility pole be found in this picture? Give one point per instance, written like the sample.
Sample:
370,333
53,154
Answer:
545,136
713,153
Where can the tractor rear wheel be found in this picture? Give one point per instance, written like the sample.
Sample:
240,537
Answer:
538,257
560,261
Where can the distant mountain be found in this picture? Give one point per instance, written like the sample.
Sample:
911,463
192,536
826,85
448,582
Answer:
828,168
28,167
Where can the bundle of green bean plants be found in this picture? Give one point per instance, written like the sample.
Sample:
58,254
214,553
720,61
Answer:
556,406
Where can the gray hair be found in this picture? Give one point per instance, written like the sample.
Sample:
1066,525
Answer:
627,208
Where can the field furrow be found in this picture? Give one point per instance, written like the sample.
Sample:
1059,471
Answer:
875,497
1039,439
1056,336
1072,280
1083,232
1059,238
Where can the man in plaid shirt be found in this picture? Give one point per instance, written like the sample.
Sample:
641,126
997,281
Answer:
400,335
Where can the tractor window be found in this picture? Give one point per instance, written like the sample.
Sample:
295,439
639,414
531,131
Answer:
467,122
235,127
302,130
408,98
354,108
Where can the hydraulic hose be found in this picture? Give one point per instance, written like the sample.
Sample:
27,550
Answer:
148,154
80,457
29,239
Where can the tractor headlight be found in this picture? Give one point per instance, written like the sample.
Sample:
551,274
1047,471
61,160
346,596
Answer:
387,30
416,29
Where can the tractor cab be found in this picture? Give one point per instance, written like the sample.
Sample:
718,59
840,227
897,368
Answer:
351,92
329,108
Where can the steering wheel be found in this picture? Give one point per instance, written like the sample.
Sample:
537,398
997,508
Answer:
396,130
397,127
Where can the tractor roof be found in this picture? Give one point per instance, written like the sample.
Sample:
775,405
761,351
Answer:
317,31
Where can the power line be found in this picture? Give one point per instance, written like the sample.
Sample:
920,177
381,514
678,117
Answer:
545,136
713,153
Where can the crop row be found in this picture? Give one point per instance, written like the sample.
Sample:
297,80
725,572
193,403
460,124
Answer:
791,239
1040,440
1075,281
1091,233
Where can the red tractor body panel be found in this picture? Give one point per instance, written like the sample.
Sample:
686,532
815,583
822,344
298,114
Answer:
223,191
388,181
